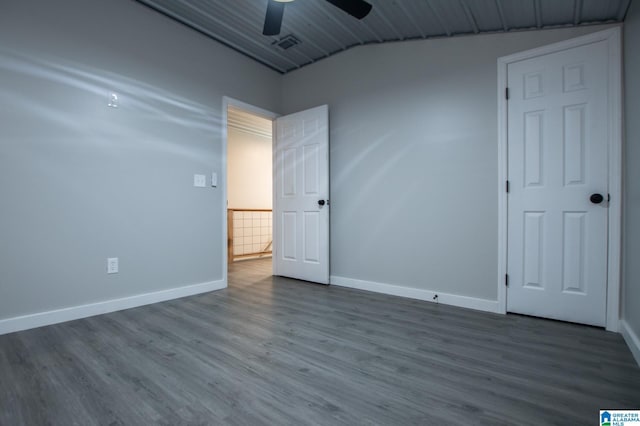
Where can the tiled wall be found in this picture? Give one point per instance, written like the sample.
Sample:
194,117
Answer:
251,232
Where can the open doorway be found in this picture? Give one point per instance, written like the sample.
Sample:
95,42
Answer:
297,229
249,183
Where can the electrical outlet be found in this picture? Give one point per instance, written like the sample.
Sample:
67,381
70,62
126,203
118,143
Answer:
112,265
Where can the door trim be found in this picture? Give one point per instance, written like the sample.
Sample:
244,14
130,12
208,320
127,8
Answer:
226,102
613,38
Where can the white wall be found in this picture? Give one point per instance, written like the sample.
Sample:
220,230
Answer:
79,181
414,157
249,170
631,230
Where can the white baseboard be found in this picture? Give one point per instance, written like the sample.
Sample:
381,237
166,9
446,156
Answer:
632,339
40,319
416,293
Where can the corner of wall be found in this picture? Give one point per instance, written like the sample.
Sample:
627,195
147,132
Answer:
630,312
632,339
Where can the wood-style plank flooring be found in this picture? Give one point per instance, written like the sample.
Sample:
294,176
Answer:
275,351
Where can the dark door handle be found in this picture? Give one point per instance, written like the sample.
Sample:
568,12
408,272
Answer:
321,203
596,198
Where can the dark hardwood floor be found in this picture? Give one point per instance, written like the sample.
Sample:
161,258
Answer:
275,351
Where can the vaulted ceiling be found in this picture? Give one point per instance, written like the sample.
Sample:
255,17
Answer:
323,30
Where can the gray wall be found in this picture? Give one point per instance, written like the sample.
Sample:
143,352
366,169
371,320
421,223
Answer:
80,182
631,230
414,157
413,154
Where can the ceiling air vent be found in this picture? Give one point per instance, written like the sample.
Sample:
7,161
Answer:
286,42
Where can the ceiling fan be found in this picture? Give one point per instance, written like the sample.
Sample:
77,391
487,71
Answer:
275,11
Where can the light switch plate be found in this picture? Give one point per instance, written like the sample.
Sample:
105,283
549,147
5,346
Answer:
112,265
214,179
199,181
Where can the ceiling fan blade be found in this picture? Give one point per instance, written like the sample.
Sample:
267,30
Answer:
356,8
273,19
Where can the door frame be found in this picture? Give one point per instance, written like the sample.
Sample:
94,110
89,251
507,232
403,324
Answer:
614,45
226,102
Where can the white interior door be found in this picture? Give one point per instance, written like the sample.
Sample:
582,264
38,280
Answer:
301,192
558,127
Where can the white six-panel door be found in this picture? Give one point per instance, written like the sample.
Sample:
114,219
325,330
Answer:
301,192
557,158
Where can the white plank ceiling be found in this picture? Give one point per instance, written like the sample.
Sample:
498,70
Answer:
323,30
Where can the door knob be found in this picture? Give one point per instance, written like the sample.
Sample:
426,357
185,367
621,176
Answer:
321,203
596,198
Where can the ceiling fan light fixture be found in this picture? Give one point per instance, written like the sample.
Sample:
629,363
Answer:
275,11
